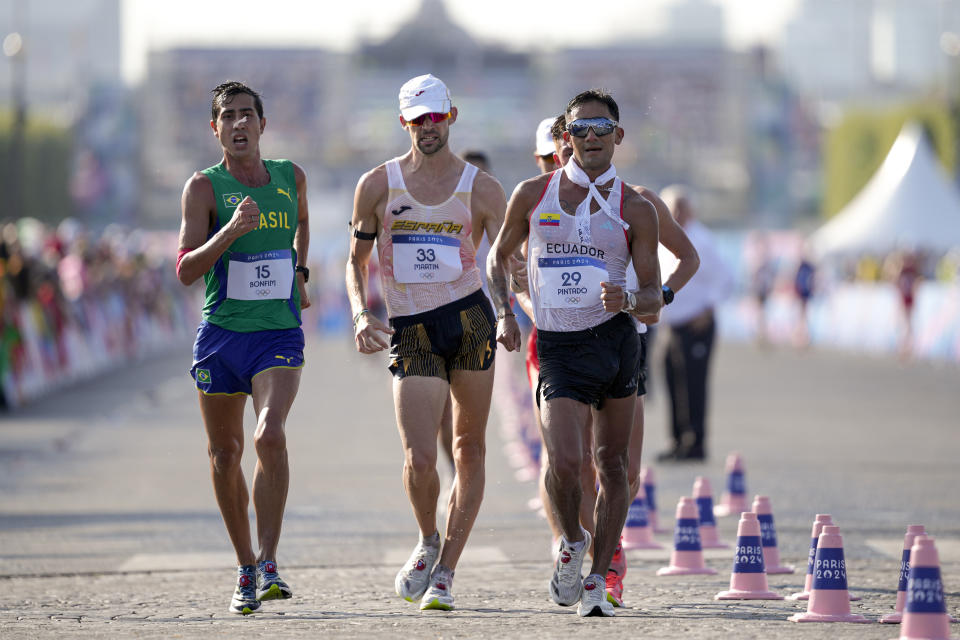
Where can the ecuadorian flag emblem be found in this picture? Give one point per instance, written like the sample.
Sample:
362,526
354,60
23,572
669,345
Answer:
549,219
232,199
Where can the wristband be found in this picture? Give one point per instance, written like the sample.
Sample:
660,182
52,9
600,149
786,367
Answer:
356,318
364,235
504,314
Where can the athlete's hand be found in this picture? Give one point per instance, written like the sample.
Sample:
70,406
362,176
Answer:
508,333
367,334
304,298
246,218
518,275
613,297
652,318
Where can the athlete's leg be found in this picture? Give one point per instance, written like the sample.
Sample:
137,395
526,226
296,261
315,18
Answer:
419,402
471,394
612,425
588,479
636,449
562,426
446,431
273,394
223,421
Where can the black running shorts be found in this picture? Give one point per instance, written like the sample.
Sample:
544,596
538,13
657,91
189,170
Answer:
458,335
592,365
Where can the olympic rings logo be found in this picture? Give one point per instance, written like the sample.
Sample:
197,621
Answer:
573,299
263,292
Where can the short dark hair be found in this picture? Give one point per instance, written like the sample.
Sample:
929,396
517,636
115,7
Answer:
475,156
594,95
559,126
225,92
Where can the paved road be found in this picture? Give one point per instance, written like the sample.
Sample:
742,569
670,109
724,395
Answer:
108,526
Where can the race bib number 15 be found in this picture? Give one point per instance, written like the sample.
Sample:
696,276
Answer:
572,282
419,258
260,276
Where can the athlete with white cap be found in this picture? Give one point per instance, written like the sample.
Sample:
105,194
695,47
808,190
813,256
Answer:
427,211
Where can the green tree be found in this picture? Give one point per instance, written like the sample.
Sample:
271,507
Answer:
47,153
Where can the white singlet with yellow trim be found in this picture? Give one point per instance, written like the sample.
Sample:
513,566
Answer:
565,274
427,257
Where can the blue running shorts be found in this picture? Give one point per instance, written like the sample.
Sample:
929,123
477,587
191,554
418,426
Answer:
225,362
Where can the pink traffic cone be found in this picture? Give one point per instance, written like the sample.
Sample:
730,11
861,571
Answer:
818,522
829,599
734,499
703,494
913,530
687,555
637,533
925,612
768,536
748,580
650,491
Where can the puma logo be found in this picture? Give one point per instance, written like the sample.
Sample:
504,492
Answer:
285,193
399,211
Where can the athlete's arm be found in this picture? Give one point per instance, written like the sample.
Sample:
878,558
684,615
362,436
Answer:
371,190
301,237
641,215
512,234
199,208
489,203
520,283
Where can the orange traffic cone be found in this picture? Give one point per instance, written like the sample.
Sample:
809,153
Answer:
925,612
650,491
734,499
913,530
829,599
687,555
768,535
748,580
637,533
818,522
703,494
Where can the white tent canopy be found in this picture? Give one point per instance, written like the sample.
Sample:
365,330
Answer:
908,204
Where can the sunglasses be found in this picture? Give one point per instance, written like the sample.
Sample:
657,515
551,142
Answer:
434,118
601,127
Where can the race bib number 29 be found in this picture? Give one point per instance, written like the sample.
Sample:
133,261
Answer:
419,258
260,276
572,282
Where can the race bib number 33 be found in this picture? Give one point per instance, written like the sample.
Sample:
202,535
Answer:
260,276
423,258
571,282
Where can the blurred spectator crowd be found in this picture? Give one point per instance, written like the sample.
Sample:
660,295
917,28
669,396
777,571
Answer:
74,304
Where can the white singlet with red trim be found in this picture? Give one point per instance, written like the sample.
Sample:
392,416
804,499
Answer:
564,273
427,257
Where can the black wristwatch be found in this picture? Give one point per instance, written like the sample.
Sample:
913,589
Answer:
667,295
306,273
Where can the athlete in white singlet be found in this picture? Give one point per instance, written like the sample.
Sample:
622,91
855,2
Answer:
427,210
588,350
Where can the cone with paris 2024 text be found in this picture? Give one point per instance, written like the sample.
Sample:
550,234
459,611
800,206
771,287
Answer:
734,498
703,494
768,536
748,580
913,530
637,532
829,599
819,521
650,492
687,555
925,612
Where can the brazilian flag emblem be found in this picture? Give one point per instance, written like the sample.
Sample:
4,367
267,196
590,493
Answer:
232,199
203,376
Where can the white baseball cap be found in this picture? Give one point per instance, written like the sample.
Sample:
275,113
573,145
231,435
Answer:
423,94
545,137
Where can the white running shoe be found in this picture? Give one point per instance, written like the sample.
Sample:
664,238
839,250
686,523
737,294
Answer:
566,584
593,601
414,577
439,595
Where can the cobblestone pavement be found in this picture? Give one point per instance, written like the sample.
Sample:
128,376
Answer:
108,528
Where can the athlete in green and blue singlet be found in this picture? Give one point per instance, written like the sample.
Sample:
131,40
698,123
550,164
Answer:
245,230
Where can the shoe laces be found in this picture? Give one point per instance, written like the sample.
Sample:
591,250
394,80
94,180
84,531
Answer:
268,569
247,584
566,567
